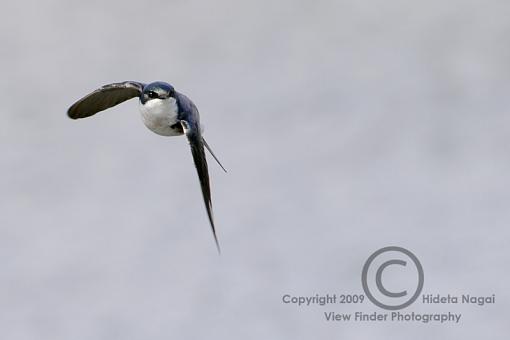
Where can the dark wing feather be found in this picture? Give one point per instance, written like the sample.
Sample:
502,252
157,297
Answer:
104,98
197,150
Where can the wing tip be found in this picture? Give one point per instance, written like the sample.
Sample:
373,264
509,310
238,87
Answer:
217,244
213,228
72,115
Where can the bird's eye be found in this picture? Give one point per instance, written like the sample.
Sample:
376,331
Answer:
152,94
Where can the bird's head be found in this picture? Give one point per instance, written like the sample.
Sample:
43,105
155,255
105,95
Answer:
157,90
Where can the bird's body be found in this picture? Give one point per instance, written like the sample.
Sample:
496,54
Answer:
164,111
160,116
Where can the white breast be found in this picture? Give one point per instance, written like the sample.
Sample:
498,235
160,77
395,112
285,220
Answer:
159,115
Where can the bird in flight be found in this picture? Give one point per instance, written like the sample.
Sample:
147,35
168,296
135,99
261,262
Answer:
165,112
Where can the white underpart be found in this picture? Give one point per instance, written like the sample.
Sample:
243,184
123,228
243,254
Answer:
159,115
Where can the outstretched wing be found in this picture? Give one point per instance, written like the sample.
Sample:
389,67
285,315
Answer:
104,98
196,143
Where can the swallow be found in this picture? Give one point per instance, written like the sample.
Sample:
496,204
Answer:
165,112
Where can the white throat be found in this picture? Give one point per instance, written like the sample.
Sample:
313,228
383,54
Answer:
159,115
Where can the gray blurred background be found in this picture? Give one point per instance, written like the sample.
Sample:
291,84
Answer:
346,126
